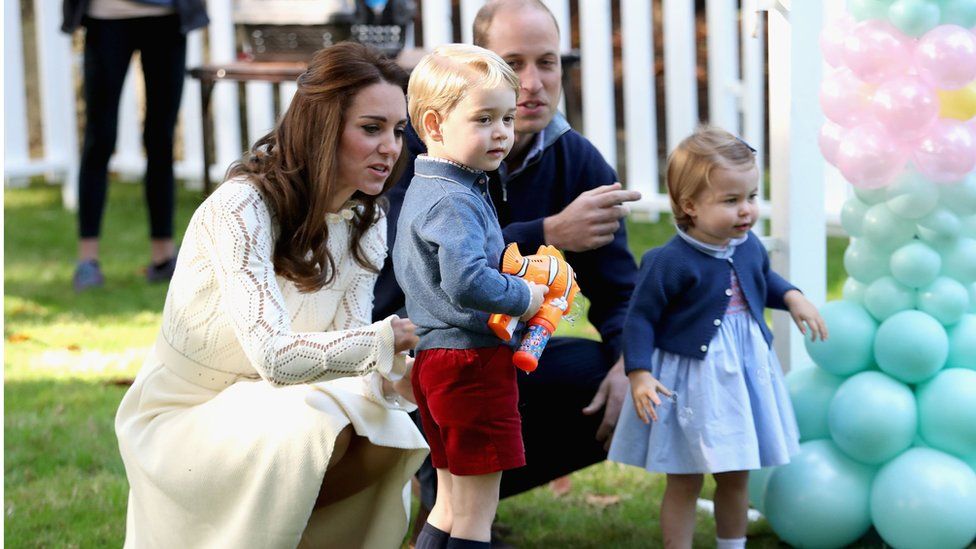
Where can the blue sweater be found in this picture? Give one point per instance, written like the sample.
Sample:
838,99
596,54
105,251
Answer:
567,166
682,294
446,259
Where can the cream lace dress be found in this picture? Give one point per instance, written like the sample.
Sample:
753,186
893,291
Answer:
229,426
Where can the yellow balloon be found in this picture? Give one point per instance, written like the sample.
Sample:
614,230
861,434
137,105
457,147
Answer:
959,104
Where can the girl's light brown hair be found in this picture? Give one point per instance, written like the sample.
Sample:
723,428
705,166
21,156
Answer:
691,163
295,165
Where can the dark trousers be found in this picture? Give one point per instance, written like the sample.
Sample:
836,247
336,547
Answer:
558,438
109,45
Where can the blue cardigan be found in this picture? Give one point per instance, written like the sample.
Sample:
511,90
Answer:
682,294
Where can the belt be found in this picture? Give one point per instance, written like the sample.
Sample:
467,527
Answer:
194,372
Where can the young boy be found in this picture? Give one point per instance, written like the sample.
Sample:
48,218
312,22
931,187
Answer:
461,101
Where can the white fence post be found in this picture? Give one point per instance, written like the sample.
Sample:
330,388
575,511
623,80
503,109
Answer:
16,139
469,9
437,23
599,120
640,119
798,221
680,80
724,86
753,97
190,118
225,107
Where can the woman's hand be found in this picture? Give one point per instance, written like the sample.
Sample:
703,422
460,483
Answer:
644,389
805,315
403,386
404,338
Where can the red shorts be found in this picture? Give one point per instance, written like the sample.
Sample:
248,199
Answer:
468,403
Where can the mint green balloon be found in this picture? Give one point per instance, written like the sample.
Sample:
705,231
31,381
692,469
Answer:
945,299
941,227
864,261
915,264
873,417
852,215
811,390
925,499
911,196
967,227
962,343
821,498
959,12
886,229
848,349
959,197
758,480
972,297
911,346
959,260
868,9
871,196
947,412
914,17
886,296
853,291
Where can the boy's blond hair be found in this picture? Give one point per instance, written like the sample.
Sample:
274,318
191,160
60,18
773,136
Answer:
441,79
691,163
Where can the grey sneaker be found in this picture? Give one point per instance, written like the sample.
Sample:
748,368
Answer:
161,272
87,275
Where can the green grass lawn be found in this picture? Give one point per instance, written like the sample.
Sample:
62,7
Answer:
66,357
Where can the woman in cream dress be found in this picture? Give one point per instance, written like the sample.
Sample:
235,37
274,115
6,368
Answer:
269,412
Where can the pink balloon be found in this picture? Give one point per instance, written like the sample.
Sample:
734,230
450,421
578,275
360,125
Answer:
947,153
946,56
868,158
906,106
832,39
843,98
875,50
829,140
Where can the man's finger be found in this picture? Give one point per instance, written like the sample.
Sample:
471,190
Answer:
615,197
598,401
602,189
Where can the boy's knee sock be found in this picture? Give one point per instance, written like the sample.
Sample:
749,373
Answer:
431,537
730,543
459,543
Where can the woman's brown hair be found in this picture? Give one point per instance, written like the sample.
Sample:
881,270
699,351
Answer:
295,165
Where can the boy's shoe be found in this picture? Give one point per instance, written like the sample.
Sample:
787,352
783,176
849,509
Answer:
161,272
87,275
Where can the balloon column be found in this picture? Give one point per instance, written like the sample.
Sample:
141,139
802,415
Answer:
888,415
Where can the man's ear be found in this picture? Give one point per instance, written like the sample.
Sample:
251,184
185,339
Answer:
431,122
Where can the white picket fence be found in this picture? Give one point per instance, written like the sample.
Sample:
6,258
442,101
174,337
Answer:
805,194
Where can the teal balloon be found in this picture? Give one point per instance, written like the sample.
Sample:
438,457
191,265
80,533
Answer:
945,299
914,17
852,216
821,498
911,346
962,343
959,12
911,196
865,261
853,290
811,390
758,480
886,229
848,350
967,227
947,412
915,264
871,196
873,417
886,296
959,260
940,228
959,197
972,297
925,499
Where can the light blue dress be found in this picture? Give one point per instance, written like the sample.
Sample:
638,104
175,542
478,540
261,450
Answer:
731,412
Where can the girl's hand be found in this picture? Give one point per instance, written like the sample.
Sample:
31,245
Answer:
644,389
805,315
404,338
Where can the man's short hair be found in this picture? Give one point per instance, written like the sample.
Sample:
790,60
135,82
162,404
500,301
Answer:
482,21
441,79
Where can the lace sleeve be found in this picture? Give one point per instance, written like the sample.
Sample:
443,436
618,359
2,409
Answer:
240,245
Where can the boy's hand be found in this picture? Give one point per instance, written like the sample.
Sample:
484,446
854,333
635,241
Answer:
644,389
404,338
538,293
805,315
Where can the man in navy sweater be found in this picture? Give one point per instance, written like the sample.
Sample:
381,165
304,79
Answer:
553,188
